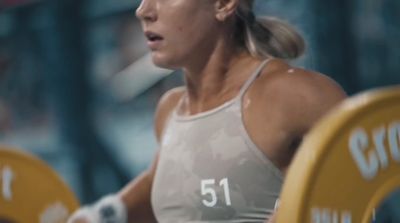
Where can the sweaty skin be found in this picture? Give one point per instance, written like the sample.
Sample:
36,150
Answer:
279,108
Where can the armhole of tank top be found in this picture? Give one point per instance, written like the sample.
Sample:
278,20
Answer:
258,153
249,141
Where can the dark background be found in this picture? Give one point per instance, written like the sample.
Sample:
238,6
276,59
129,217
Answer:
57,58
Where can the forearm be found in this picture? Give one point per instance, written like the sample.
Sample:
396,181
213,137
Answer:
136,196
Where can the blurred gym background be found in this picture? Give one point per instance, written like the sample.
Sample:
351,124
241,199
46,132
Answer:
78,90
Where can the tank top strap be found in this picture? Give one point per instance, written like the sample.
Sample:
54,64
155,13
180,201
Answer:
253,76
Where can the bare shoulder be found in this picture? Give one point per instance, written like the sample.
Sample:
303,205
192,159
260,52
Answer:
165,106
305,95
315,88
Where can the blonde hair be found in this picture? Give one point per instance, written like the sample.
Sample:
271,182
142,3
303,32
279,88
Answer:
267,36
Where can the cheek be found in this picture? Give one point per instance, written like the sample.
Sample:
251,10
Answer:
186,40
186,34
181,40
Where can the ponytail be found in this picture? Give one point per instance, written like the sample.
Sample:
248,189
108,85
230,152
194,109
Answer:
268,36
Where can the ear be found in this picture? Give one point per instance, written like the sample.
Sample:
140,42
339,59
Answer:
225,8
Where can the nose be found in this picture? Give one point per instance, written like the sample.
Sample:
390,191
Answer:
146,11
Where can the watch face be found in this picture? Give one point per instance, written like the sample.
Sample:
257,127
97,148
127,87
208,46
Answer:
107,212
6,220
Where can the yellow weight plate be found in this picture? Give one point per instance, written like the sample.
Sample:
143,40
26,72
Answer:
348,163
31,192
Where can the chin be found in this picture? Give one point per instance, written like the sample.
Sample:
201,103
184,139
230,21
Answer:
164,61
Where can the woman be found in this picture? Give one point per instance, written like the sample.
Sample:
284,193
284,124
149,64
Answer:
226,137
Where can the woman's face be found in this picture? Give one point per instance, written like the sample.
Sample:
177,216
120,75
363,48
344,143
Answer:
178,31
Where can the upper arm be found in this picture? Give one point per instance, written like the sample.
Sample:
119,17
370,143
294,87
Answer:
283,105
299,98
320,94
306,98
309,97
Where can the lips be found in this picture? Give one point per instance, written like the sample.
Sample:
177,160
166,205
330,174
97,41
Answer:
152,36
153,39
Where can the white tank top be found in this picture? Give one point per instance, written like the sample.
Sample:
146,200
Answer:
209,169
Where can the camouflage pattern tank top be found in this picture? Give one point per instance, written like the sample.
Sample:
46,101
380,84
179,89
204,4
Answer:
209,170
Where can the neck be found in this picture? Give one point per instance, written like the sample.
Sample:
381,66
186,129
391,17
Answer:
215,79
